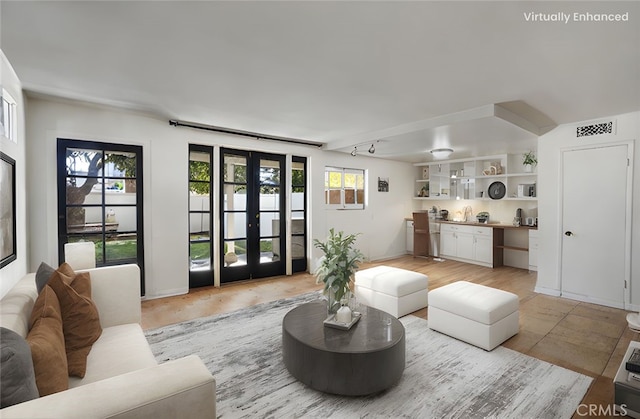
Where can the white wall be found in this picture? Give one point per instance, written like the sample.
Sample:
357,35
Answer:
550,148
12,272
165,164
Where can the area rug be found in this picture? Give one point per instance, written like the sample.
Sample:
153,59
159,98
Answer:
443,378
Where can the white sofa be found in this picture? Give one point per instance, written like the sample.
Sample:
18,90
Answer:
123,379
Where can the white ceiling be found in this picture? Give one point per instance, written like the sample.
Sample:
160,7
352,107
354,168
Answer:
406,76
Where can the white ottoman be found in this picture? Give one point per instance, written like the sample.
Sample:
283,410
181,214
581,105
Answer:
479,315
393,290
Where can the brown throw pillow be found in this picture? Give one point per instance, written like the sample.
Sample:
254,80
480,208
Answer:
46,341
81,322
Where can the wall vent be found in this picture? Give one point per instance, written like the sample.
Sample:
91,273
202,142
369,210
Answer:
595,129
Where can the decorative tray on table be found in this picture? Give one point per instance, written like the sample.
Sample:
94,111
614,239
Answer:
331,321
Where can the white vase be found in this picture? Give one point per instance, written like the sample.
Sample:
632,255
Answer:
528,168
344,315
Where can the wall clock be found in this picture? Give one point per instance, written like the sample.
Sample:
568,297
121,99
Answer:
497,190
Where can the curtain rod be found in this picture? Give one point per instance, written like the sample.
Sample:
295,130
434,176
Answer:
255,135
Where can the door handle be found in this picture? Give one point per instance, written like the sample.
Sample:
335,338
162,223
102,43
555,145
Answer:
568,233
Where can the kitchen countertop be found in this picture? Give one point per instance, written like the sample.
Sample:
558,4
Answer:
489,224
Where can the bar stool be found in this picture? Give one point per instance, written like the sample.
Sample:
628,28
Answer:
420,234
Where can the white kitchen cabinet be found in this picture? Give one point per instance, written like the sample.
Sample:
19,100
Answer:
467,243
448,241
409,236
533,250
483,245
465,246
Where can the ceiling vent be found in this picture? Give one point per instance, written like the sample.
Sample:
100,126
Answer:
595,129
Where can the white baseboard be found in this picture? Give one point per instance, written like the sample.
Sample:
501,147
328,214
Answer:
547,291
382,259
166,293
588,299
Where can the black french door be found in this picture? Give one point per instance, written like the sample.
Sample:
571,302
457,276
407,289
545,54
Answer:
100,200
252,205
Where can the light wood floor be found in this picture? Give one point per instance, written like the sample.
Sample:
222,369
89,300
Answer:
586,338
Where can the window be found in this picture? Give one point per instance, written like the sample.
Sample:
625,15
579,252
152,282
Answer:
200,215
344,188
8,117
100,200
299,213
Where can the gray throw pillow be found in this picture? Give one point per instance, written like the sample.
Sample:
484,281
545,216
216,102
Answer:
43,274
18,380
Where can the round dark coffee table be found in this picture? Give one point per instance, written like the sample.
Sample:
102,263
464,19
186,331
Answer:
366,359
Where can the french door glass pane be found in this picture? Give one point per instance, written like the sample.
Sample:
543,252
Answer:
235,253
235,169
269,173
199,224
234,201
121,247
269,224
295,216
118,195
119,164
297,247
297,171
121,219
297,200
84,219
267,247
201,190
200,256
236,225
75,187
200,250
83,162
270,199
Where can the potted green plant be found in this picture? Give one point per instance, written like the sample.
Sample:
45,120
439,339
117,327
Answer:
529,160
338,266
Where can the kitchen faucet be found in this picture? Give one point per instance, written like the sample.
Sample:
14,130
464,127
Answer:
467,212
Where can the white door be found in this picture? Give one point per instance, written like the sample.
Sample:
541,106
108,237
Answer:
594,224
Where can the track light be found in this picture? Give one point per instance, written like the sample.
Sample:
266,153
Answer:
355,151
372,149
